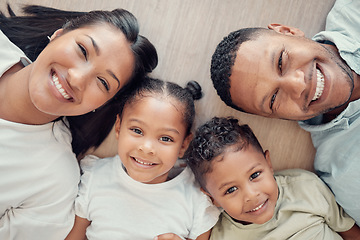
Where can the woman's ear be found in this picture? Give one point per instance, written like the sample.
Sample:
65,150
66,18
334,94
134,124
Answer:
117,126
211,198
287,30
185,145
56,34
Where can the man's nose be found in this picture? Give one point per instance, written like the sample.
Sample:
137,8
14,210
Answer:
294,84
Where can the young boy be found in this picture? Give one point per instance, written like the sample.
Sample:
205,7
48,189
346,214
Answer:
232,168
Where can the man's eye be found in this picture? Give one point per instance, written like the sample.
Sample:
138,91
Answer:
83,50
273,97
103,82
231,190
254,175
280,61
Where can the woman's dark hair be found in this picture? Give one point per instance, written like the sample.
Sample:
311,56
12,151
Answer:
212,139
152,87
30,33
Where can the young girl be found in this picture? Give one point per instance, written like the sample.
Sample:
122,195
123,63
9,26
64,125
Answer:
80,62
132,196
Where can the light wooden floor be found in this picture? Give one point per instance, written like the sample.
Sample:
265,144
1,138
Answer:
186,32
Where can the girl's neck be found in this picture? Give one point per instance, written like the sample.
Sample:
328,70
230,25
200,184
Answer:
16,105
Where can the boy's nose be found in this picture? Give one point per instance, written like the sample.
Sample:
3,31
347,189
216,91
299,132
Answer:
147,147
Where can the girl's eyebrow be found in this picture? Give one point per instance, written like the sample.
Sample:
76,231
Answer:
97,51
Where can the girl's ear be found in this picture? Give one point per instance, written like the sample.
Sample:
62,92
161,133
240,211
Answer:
185,145
56,34
211,198
117,126
283,29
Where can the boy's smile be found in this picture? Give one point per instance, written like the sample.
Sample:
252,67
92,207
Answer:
242,183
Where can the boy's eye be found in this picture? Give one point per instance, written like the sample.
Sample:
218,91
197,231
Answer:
166,139
231,190
104,83
83,50
254,175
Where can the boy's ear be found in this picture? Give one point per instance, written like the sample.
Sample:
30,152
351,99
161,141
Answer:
212,199
268,160
185,145
56,34
287,30
117,126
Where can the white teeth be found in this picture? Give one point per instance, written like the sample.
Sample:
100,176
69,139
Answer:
319,85
60,87
257,208
143,162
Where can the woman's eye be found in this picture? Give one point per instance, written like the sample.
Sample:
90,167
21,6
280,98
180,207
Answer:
273,99
136,130
231,190
104,83
254,175
166,139
83,50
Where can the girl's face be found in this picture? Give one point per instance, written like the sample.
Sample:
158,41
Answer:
242,183
80,70
151,137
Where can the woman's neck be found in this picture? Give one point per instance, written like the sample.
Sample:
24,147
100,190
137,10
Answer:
16,105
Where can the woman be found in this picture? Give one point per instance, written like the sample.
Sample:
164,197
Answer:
86,65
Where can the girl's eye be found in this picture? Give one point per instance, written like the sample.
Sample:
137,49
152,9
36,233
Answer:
83,50
166,139
273,99
136,130
254,175
231,190
104,83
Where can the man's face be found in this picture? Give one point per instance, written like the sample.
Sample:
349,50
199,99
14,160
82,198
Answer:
288,76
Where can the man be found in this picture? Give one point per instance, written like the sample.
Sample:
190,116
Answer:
279,73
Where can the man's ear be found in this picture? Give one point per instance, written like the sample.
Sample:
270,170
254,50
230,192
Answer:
56,34
211,198
185,145
283,29
117,126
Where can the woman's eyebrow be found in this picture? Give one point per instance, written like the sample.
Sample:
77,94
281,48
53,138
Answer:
96,47
97,51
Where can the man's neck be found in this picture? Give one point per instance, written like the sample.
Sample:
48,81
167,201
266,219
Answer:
355,95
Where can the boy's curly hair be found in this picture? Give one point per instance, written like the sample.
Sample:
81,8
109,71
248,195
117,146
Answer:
212,139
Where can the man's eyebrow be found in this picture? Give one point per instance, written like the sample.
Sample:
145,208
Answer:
266,97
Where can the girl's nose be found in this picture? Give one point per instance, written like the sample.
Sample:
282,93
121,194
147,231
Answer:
147,147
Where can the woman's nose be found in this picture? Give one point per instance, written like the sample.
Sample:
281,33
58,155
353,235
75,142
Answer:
78,78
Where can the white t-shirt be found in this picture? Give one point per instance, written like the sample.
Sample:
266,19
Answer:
39,173
122,208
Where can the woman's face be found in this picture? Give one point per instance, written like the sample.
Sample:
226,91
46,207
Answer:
80,70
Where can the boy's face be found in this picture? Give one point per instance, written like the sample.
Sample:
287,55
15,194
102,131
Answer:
242,183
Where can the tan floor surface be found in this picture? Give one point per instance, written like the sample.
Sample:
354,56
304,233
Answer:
186,32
